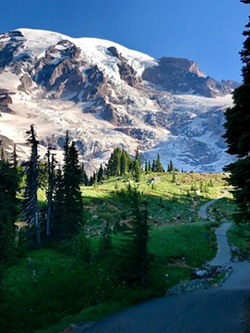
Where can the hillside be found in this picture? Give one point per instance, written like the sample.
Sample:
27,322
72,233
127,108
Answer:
178,243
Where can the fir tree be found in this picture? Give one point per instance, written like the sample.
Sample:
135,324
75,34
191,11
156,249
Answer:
237,135
93,179
2,156
30,204
158,165
153,166
85,179
9,210
51,184
114,163
14,162
133,254
137,168
149,167
125,164
58,214
73,199
170,166
100,174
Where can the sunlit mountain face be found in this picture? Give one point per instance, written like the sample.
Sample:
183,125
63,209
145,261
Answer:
106,96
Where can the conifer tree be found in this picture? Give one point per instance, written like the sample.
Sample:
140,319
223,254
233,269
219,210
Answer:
237,135
14,162
114,163
72,178
153,166
149,167
85,179
125,164
158,165
100,174
137,167
9,180
30,204
51,184
170,166
58,214
2,156
134,256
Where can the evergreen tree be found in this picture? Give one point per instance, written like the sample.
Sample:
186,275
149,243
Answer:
58,214
114,163
51,184
137,167
153,166
30,204
2,157
14,162
170,166
237,135
158,165
93,179
149,167
72,178
43,174
100,174
9,180
125,164
134,256
85,179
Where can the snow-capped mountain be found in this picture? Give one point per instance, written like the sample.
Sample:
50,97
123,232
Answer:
106,96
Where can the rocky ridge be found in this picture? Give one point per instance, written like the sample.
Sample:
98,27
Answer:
107,95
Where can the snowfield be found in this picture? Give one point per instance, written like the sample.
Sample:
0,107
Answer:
182,127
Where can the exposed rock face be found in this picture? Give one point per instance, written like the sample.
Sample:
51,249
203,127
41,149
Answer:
7,50
109,114
127,73
5,100
26,83
230,83
183,76
107,95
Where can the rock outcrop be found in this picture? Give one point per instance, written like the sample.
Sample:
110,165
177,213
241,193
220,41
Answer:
107,95
183,76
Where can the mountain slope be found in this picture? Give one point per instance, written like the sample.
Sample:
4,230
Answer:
107,95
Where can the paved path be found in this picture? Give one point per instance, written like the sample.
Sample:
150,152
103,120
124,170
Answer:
203,209
223,255
215,310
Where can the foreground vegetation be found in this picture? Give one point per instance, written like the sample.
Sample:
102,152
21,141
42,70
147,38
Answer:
82,252
58,282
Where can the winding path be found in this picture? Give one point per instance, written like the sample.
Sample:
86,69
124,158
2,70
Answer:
215,310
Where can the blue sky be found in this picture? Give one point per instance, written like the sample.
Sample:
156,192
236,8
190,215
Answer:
206,31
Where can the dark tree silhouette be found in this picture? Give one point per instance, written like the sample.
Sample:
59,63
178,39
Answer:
237,135
30,204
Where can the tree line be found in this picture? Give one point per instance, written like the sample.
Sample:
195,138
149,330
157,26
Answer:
62,218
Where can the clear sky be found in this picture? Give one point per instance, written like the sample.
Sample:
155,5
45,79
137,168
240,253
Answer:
206,31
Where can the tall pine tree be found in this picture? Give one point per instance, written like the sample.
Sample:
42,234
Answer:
9,180
237,135
30,204
72,176
133,254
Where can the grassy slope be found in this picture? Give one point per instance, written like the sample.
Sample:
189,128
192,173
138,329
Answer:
63,287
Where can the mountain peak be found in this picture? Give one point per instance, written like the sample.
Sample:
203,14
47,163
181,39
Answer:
106,96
